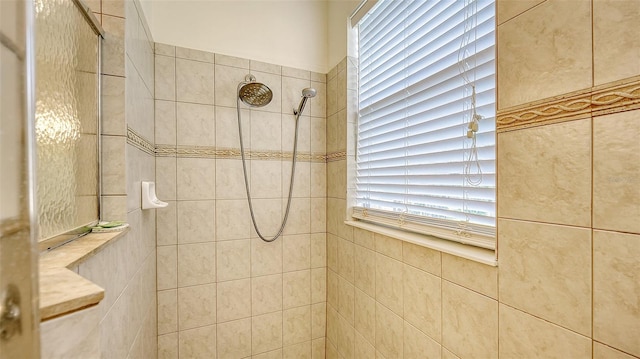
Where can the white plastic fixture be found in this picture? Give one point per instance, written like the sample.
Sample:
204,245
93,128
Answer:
149,198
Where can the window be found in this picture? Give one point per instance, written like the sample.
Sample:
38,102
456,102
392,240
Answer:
426,129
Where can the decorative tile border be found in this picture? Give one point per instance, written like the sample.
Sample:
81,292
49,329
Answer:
144,145
140,142
234,153
336,156
607,99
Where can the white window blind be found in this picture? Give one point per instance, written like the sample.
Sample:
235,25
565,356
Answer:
425,69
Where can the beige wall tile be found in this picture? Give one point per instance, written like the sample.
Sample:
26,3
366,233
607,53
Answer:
422,301
266,332
113,57
113,106
332,326
545,270
274,354
227,135
296,325
165,122
507,9
196,306
297,351
388,246
266,258
195,125
318,178
231,61
265,67
230,179
364,238
363,348
318,349
113,174
299,216
296,252
544,52
166,185
233,219
266,130
470,274
332,252
616,163
318,215
195,179
319,103
421,257
192,54
296,73
601,351
168,346
196,221
72,335
196,264
269,214
417,345
523,335
165,79
365,316
226,84
332,288
346,338
318,285
346,300
167,311
389,332
448,355
296,289
365,270
469,322
346,259
318,320
194,82
616,310
389,283
536,171
164,49
616,48
233,259
234,339
266,294
198,342
167,267
234,300
266,179
318,250
331,351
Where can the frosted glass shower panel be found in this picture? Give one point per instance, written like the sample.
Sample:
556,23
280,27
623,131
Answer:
66,118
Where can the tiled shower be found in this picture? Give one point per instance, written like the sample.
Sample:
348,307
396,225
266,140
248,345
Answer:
566,283
221,289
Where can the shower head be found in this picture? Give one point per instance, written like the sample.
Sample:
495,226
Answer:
254,94
307,93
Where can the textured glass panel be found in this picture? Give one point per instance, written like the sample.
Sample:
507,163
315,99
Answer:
66,117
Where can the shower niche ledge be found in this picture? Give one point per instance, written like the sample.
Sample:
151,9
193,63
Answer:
62,290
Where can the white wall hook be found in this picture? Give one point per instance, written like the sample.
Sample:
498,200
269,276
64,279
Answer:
149,198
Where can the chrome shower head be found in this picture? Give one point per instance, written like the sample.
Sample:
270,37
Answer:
307,93
254,94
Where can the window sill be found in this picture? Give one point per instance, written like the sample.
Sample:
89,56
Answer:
62,290
476,254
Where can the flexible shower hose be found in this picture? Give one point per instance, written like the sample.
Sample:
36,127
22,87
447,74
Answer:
246,181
